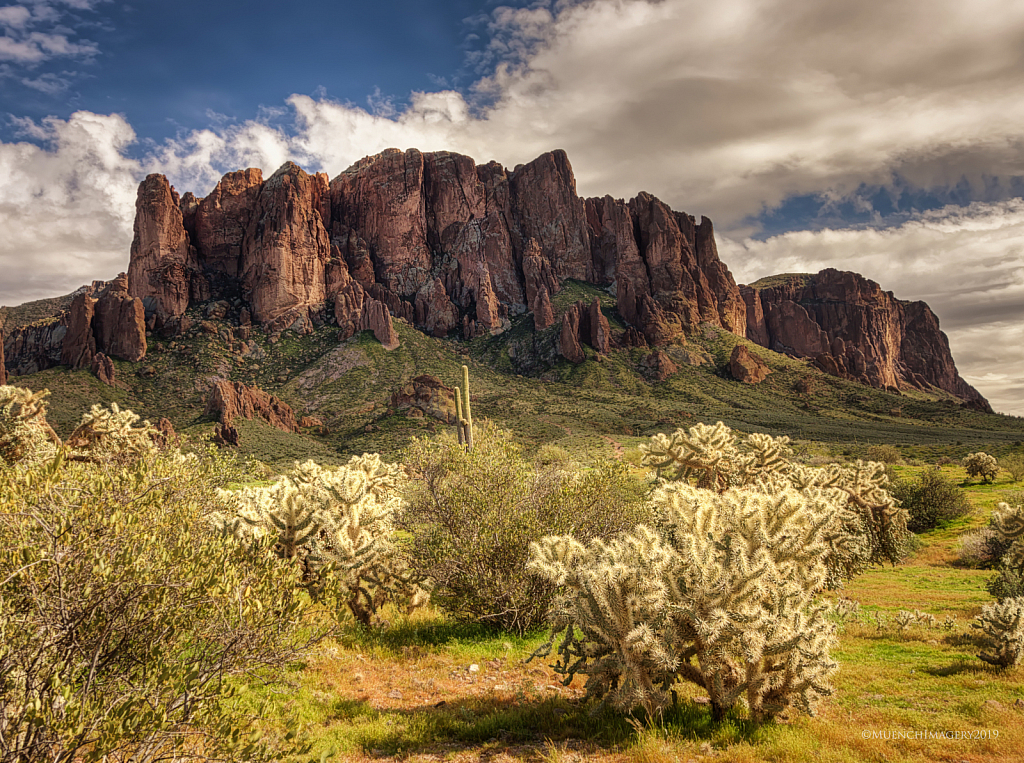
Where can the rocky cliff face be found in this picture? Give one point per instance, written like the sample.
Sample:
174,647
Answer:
442,242
454,247
854,329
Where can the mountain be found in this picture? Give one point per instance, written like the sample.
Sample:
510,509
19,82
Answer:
455,248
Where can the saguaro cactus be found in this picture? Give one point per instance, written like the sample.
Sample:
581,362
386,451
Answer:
463,412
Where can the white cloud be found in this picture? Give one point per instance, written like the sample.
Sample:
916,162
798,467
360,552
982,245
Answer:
67,210
26,44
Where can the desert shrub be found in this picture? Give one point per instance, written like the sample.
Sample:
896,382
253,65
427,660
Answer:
1002,632
123,614
1014,464
337,525
886,454
930,500
981,548
719,592
549,454
1007,584
473,514
981,465
945,461
25,434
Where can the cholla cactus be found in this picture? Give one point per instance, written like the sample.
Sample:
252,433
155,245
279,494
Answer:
925,618
706,454
1002,632
110,433
341,519
25,435
981,465
905,619
719,594
949,622
868,526
1008,523
846,609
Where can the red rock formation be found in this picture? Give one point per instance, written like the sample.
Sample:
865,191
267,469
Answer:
36,347
434,311
119,324
543,315
222,219
633,338
747,367
225,435
429,395
165,436
3,366
855,330
103,369
658,366
355,311
599,332
377,319
231,400
569,339
163,263
547,209
382,197
286,249
583,323
79,345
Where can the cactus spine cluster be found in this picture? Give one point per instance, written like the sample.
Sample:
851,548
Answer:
463,411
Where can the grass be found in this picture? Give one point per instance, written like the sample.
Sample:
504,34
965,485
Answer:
427,688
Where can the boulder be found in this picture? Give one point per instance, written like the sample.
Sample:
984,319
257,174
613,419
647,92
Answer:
658,366
747,367
426,395
231,400
103,369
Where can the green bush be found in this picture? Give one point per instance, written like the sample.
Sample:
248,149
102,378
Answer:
1014,464
123,614
886,454
472,515
931,500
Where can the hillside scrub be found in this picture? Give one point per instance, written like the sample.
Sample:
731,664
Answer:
720,588
472,515
123,613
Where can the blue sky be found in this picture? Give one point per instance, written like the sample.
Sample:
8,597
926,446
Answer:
177,66
883,136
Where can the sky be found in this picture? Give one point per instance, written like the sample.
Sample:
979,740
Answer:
880,136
